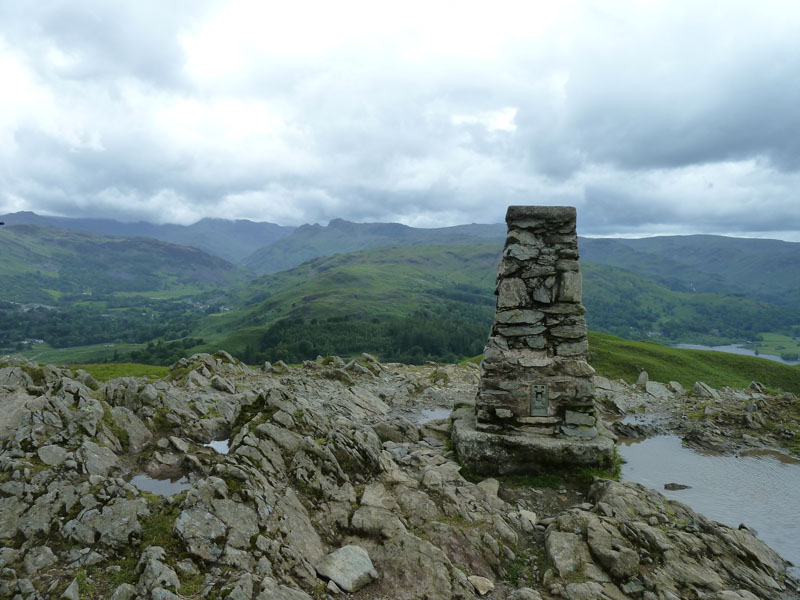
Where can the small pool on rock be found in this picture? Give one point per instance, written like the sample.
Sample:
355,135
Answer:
161,487
221,446
759,489
432,414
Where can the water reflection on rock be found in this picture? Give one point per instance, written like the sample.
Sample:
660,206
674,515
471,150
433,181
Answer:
161,487
220,446
432,414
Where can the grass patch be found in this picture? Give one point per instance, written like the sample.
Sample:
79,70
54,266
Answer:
36,373
109,371
157,530
778,345
548,480
521,570
80,355
617,358
86,586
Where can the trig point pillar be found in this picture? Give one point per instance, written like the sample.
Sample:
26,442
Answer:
535,406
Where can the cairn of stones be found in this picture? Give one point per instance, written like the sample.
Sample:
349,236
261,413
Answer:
534,375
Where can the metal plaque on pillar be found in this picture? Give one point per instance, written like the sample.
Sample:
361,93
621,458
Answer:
539,402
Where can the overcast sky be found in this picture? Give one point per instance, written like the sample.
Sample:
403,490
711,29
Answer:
650,117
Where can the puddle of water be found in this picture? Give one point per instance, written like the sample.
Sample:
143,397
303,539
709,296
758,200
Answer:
162,487
756,489
221,446
431,414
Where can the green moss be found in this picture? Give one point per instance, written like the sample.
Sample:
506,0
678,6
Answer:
454,520
609,471
86,586
192,585
338,375
439,376
36,373
320,592
234,485
120,433
160,422
548,480
576,577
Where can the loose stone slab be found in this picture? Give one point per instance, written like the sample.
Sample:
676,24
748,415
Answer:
52,455
482,585
349,567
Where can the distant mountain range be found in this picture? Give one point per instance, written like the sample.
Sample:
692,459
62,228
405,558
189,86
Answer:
231,240
767,270
339,237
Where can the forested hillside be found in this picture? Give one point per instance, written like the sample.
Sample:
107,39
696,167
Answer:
39,264
115,298
435,302
767,270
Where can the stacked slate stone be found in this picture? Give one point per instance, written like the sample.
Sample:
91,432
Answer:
534,374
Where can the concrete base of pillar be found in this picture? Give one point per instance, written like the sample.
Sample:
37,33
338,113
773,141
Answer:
486,453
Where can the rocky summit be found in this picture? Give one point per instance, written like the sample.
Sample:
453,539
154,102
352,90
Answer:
331,480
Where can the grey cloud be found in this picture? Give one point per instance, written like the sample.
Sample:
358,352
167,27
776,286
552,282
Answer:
610,116
103,40
609,211
703,94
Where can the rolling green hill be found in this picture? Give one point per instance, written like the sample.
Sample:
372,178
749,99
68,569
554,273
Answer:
633,306
365,301
410,302
314,241
407,302
40,264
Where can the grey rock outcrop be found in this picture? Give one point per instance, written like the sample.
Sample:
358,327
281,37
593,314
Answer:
686,555
306,474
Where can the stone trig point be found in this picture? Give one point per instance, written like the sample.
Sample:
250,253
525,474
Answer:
535,407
